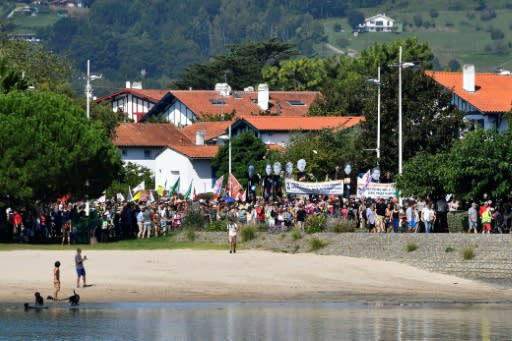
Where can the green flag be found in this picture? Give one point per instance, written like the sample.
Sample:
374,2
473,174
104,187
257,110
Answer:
188,192
176,187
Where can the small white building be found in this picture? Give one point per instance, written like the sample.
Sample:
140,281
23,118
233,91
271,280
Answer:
168,154
378,23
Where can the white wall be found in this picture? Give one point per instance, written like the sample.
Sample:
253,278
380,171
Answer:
131,104
137,156
179,115
171,163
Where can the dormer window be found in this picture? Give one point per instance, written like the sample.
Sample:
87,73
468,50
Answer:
296,102
217,101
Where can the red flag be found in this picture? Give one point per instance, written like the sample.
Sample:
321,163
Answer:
217,188
233,186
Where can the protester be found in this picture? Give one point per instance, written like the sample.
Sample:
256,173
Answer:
56,280
232,229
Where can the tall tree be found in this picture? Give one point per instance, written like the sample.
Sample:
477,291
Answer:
241,65
48,148
246,149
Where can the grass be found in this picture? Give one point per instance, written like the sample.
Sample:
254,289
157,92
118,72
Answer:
296,235
248,233
158,243
191,235
449,249
468,253
461,40
316,244
410,247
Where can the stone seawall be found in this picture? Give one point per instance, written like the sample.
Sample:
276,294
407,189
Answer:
492,261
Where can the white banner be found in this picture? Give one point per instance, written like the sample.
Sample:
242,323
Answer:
375,190
325,188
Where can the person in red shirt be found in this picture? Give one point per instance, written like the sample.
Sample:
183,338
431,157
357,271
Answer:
16,222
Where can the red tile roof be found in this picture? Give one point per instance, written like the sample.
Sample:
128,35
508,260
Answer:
493,92
309,123
197,152
149,135
199,101
151,95
160,135
212,130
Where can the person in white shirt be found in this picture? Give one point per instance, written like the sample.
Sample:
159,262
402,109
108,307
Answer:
232,232
428,216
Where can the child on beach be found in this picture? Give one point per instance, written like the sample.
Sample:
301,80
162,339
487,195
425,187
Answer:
56,281
80,269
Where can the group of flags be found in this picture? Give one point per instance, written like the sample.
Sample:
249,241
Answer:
232,189
139,192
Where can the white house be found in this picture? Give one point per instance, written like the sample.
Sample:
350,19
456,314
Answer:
378,23
484,97
276,131
168,153
184,107
134,101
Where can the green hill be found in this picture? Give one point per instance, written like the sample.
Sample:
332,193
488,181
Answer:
455,30
155,40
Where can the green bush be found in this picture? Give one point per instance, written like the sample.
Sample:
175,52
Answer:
468,253
315,223
193,219
449,249
411,247
216,226
191,235
316,244
248,233
296,235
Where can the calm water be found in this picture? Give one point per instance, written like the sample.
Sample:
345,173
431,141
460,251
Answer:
258,321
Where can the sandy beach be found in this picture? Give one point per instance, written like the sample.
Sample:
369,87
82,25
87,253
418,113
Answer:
178,275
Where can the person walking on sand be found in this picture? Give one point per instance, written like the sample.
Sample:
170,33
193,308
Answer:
80,270
232,231
56,281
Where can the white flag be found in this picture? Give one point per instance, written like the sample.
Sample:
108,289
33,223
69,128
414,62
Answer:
139,187
120,197
102,199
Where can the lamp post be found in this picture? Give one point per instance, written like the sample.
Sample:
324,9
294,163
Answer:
88,88
378,83
229,160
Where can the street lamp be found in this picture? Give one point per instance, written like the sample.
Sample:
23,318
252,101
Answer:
88,88
401,65
379,84
228,138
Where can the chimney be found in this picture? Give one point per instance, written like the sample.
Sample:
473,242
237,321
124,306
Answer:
468,77
128,85
200,138
223,89
263,96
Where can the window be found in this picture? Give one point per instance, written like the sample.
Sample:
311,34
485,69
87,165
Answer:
295,102
147,154
379,23
217,101
124,152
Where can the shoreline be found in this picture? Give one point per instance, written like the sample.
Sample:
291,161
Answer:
248,276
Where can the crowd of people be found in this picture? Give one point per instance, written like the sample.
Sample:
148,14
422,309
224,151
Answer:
112,220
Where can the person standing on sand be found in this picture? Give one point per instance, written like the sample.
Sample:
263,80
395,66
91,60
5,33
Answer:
232,231
80,270
56,281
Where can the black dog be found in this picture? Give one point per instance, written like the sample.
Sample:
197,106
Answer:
73,299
